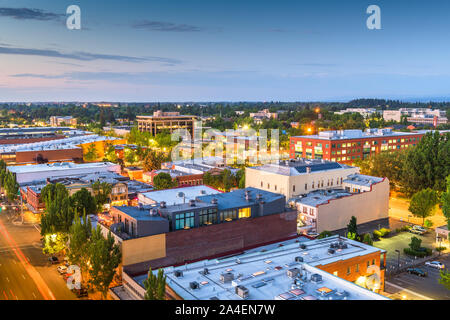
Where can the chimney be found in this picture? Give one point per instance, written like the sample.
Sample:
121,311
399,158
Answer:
308,169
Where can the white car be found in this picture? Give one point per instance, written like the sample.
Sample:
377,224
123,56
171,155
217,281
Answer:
62,269
435,264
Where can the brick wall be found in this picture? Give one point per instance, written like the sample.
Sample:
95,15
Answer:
51,155
185,246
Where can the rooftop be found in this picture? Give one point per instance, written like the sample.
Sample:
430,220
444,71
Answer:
37,130
59,166
237,198
362,180
300,166
272,273
140,213
356,134
177,195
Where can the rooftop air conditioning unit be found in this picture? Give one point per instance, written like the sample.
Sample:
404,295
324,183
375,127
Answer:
316,278
214,200
292,273
192,203
162,204
178,273
330,251
242,292
193,285
226,277
298,259
205,271
303,246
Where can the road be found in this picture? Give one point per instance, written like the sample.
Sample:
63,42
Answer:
425,287
25,273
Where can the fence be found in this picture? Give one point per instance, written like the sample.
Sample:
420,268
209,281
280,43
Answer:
395,268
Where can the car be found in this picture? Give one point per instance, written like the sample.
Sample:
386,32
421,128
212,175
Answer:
417,272
62,269
418,230
435,264
53,260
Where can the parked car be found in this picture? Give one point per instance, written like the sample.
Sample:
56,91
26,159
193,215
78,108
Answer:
417,272
435,264
53,260
62,269
418,230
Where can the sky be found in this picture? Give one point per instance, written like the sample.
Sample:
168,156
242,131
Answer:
246,50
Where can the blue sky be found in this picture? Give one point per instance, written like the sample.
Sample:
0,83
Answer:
218,50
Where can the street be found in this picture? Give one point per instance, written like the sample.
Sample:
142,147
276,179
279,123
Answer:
25,273
412,285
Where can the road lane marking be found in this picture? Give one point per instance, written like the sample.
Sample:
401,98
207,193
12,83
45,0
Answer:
34,295
409,291
7,279
23,277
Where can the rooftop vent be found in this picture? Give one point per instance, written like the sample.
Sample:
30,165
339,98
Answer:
178,273
153,212
205,271
193,285
308,169
242,292
192,203
316,278
299,259
214,200
259,196
330,251
292,273
226,277
162,204
303,246
202,192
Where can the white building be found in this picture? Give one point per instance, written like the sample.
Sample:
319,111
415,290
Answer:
396,115
296,177
37,172
365,112
176,195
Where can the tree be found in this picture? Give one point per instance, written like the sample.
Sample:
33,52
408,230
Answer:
79,237
445,278
153,160
352,228
102,192
422,204
415,244
104,258
163,181
368,239
155,286
445,200
54,243
83,202
91,154
54,193
324,234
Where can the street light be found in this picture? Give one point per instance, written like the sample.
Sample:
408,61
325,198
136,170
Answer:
398,261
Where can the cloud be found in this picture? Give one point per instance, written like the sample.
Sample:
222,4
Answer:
29,14
83,56
165,26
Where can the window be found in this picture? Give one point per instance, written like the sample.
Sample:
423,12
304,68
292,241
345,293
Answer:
357,267
335,273
368,264
261,184
268,186
293,188
348,270
208,217
245,213
184,220
275,187
228,215
373,262
306,186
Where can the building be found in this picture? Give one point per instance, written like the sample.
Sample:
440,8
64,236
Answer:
176,195
161,121
41,172
211,225
365,112
181,178
396,115
443,236
18,136
346,146
56,121
292,178
262,115
56,150
427,120
333,208
327,269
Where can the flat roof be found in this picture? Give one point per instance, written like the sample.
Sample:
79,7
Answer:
299,166
356,134
362,180
264,273
140,213
58,166
318,197
172,196
236,198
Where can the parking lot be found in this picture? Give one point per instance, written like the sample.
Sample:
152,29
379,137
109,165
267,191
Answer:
427,286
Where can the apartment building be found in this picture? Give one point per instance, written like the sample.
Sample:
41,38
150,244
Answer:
346,146
365,112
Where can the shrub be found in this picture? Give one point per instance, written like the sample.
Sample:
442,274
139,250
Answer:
405,228
422,252
324,234
441,249
428,223
368,239
376,234
384,232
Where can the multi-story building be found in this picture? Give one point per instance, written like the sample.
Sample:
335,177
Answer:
346,146
209,226
175,195
299,269
161,121
364,197
396,115
292,178
56,121
365,112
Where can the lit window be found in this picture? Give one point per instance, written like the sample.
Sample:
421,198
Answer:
244,213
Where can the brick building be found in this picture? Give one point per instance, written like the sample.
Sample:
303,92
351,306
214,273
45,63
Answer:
346,146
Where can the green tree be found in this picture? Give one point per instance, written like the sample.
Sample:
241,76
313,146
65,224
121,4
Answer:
104,258
54,243
445,200
415,244
445,278
422,203
163,181
91,153
83,202
155,286
153,160
54,193
368,239
352,228
79,237
102,192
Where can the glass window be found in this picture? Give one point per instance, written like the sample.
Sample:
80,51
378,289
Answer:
208,217
228,215
245,213
184,220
